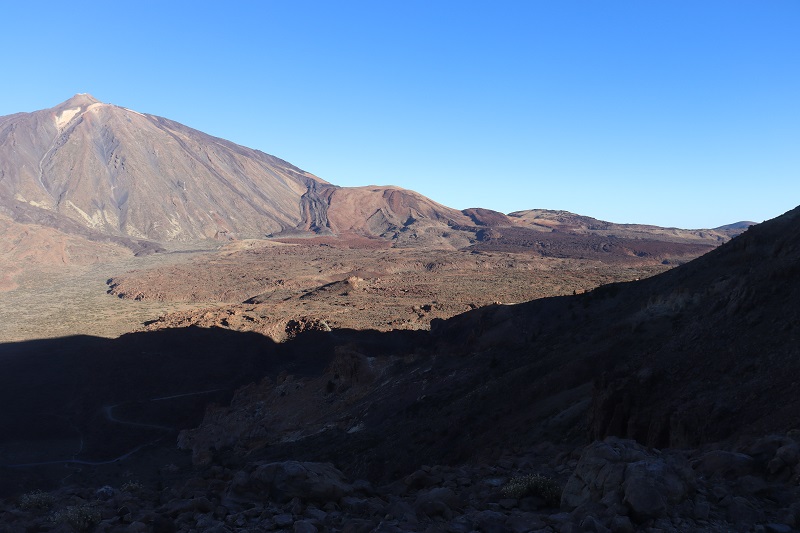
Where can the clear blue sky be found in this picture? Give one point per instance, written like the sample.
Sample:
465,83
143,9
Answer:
676,113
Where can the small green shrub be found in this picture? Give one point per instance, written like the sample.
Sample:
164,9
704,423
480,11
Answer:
534,485
133,487
36,501
79,517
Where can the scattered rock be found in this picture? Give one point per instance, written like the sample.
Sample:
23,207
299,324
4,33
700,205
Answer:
318,482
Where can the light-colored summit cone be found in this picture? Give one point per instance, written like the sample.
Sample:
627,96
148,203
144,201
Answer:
79,100
119,172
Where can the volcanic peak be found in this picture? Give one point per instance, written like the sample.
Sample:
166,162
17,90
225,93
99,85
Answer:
79,100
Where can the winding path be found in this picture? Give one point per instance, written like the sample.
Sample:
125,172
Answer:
108,411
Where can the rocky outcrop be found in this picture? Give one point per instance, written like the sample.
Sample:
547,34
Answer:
281,482
625,478
615,486
626,485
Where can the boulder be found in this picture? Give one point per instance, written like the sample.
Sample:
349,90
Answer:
280,482
620,474
437,502
651,486
305,526
724,464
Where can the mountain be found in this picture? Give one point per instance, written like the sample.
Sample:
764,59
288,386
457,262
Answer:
548,220
120,172
112,174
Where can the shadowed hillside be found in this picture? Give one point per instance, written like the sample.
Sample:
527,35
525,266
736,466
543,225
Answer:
704,356
703,353
647,360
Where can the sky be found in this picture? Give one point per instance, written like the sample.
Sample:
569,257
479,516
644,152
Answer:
681,113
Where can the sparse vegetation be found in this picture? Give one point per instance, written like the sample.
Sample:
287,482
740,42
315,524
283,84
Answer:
37,501
134,487
79,517
534,485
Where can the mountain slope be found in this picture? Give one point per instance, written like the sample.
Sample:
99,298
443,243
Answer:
146,179
549,220
118,172
30,248
121,172
702,353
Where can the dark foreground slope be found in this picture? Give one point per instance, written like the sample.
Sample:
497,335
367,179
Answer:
703,356
96,405
704,353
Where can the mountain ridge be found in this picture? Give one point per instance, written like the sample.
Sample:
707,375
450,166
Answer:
122,173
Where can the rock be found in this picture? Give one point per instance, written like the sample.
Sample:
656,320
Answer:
295,506
531,503
462,524
763,449
162,524
104,493
316,514
420,480
508,503
786,457
305,526
650,486
525,522
281,482
616,471
777,528
283,520
194,505
741,512
786,516
752,484
363,506
216,528
598,473
622,524
137,527
362,485
204,522
724,464
436,502
590,524
701,510
644,499
491,522
789,454
559,518
359,526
